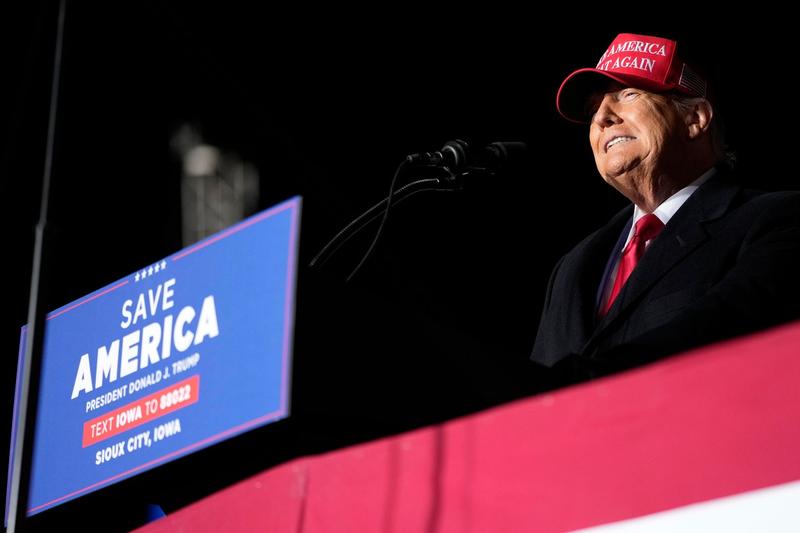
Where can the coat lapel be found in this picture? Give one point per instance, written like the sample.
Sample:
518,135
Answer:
590,270
680,237
570,319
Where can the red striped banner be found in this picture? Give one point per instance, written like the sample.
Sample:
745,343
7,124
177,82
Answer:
713,431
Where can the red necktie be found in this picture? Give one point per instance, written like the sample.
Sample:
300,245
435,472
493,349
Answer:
648,227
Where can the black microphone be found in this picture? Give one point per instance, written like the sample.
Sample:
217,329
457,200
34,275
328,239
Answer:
497,155
457,156
453,156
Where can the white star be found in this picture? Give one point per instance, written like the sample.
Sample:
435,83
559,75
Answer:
137,276
150,271
144,274
157,267
163,265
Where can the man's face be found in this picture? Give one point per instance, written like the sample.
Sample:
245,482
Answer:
637,137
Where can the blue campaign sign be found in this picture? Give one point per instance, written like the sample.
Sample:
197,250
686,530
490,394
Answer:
188,351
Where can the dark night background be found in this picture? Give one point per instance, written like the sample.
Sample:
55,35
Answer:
326,103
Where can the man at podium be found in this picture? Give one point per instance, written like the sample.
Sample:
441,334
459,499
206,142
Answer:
694,258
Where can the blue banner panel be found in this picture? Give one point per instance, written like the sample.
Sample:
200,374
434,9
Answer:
184,353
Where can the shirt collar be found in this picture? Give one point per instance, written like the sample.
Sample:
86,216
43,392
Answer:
670,206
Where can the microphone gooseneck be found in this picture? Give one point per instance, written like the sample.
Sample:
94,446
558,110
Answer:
455,161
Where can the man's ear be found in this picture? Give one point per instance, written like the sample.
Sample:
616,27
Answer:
698,119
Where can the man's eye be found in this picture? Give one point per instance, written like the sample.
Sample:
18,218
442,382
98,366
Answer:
627,95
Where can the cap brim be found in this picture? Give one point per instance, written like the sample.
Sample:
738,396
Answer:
575,90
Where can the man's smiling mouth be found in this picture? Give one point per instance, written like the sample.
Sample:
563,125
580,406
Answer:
618,140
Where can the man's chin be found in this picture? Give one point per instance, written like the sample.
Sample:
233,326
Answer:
622,182
620,173
616,179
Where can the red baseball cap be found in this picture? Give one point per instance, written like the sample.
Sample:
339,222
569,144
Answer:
642,61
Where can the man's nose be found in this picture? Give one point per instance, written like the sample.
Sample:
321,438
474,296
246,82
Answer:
605,115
